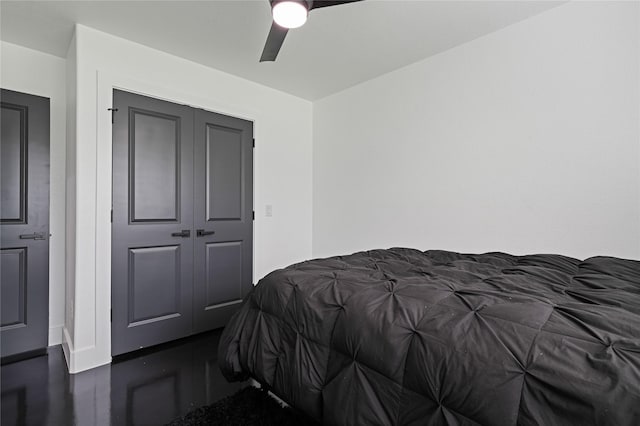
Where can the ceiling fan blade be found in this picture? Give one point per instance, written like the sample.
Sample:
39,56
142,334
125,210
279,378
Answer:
321,3
274,42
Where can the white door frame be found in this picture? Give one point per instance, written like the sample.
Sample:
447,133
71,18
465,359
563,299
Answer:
80,359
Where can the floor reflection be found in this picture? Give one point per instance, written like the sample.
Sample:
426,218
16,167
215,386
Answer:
149,388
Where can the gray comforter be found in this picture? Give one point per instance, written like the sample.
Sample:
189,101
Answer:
404,337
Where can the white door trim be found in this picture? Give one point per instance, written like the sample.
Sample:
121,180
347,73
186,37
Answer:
80,359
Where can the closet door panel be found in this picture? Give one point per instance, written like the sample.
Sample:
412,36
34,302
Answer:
223,216
152,246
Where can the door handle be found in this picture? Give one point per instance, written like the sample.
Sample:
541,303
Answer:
202,232
185,233
34,236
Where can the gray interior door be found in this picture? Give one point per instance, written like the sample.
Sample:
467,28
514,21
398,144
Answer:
182,234
152,246
223,212
24,222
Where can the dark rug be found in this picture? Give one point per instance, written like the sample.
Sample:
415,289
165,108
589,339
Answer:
247,407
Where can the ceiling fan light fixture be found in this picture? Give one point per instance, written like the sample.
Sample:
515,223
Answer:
289,14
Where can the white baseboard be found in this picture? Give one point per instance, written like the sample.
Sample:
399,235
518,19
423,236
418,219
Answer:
83,358
67,346
253,382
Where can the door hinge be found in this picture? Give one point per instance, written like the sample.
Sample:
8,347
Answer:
254,142
111,315
111,215
253,215
112,113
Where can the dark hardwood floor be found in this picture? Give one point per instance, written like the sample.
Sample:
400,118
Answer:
148,388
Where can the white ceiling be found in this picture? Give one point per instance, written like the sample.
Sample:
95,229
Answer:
337,48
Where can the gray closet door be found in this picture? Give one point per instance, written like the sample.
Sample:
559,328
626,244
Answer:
24,223
152,246
182,234
223,212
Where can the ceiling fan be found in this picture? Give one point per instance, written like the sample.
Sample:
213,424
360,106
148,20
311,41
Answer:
289,14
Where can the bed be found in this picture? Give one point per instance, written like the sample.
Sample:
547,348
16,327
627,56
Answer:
405,337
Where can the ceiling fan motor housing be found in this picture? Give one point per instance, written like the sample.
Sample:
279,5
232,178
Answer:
306,3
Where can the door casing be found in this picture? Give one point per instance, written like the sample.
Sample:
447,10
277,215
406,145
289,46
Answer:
95,347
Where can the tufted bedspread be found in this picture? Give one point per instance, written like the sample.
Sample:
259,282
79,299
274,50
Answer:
404,337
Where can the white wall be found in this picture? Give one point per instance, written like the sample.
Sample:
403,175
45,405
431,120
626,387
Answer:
525,140
282,167
28,71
